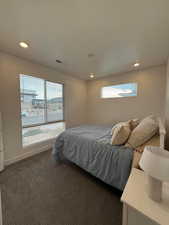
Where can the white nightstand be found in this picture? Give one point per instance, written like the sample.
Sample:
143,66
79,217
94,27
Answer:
138,208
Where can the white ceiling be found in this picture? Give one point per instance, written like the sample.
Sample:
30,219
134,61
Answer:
117,32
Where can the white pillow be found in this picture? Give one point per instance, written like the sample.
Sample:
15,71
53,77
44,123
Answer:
146,129
120,133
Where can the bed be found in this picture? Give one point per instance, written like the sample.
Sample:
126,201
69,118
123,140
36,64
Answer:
89,147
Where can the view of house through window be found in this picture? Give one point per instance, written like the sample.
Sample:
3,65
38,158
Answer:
41,109
119,91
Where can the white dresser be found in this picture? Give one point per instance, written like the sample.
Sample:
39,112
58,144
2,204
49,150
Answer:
138,208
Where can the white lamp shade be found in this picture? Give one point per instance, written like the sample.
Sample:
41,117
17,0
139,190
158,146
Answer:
155,162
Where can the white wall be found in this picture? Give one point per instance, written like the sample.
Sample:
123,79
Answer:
82,99
167,106
150,99
10,68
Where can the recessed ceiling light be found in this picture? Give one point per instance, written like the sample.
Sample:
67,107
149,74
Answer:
23,44
91,75
136,64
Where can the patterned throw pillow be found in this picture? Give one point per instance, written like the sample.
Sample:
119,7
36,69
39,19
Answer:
120,133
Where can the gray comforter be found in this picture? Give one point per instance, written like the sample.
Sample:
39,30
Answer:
89,147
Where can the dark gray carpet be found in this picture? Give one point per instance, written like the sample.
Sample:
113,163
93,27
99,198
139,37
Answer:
37,192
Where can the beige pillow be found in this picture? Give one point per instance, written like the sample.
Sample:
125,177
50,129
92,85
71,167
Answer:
114,127
146,129
120,133
154,141
134,123
119,124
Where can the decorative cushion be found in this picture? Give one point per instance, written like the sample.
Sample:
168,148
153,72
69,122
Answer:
115,126
146,129
134,123
154,141
120,133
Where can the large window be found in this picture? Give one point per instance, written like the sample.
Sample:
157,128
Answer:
41,109
119,91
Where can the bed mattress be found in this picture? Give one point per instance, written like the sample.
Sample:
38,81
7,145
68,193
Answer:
89,147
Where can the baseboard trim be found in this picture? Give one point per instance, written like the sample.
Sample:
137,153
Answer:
28,154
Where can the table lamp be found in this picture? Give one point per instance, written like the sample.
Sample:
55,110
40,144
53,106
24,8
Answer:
155,163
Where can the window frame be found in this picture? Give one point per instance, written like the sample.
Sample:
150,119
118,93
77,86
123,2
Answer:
45,104
101,91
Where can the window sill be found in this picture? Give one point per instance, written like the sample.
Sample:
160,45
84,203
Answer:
40,143
41,134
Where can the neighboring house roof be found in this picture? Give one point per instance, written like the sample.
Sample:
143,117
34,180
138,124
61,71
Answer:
53,100
28,92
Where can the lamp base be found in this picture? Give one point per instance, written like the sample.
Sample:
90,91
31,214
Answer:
154,188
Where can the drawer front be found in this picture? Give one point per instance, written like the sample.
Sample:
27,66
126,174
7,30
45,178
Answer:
136,218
